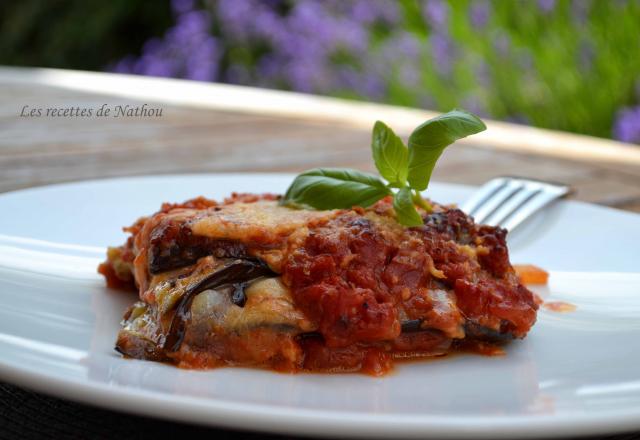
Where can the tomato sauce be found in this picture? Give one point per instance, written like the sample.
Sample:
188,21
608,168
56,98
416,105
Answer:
360,278
360,282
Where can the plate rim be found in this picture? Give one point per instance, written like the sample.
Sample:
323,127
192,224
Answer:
215,412
218,412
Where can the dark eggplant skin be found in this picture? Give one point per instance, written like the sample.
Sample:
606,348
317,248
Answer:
138,347
164,256
411,326
237,274
408,326
472,330
480,333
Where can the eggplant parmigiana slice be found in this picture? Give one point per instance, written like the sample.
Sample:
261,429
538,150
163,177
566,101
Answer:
249,282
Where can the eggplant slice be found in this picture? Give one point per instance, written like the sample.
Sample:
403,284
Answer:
236,274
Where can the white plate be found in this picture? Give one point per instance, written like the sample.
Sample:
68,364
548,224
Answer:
576,373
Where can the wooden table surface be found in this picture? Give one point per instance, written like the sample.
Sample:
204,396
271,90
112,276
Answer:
221,133
216,128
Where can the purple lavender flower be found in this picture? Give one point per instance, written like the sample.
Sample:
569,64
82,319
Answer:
191,27
232,14
201,63
351,37
268,68
580,11
182,6
237,74
317,46
626,127
187,50
442,50
436,13
362,12
371,11
242,21
348,77
308,77
546,6
311,18
372,86
304,42
400,47
387,12
479,13
268,26
152,65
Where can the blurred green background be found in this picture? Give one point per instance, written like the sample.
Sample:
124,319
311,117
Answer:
566,64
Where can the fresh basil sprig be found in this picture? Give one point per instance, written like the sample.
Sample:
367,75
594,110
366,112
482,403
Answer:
334,188
428,141
390,155
408,169
403,204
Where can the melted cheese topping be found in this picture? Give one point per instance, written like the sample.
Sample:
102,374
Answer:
269,304
260,221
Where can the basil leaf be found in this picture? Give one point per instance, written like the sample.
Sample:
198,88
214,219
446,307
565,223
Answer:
428,141
405,209
334,188
390,154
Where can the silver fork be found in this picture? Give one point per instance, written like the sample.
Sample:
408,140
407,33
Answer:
508,201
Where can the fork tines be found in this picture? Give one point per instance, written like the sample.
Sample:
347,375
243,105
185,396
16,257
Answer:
508,201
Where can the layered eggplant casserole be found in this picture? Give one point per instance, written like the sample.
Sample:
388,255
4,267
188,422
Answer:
248,282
